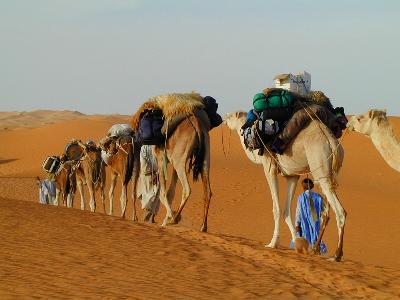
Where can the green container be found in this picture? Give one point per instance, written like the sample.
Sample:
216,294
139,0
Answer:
274,99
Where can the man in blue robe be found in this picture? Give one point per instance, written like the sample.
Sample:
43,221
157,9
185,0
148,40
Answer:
308,214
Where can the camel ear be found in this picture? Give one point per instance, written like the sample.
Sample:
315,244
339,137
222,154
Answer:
371,113
375,113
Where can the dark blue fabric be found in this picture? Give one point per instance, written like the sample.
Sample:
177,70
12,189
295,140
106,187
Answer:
150,125
211,107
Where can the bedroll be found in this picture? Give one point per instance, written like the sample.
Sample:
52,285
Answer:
275,98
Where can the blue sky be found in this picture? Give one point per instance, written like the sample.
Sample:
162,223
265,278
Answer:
99,56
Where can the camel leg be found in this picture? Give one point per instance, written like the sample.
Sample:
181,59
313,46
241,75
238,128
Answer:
291,188
103,197
172,187
92,202
340,215
273,185
57,200
80,189
113,182
134,192
185,193
123,198
207,197
70,198
324,222
163,196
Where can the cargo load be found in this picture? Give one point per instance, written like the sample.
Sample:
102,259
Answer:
51,164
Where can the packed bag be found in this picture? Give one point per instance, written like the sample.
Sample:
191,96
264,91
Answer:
51,164
273,98
74,151
118,130
150,125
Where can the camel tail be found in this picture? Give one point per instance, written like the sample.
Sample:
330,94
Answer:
198,154
130,164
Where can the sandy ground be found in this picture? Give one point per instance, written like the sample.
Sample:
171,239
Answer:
54,252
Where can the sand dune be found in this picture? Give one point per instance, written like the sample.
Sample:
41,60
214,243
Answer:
50,251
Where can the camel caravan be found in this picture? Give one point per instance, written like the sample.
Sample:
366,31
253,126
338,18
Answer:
290,130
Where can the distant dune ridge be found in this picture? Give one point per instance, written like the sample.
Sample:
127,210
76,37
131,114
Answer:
37,118
109,257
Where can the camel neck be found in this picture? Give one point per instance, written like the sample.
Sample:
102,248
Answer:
387,144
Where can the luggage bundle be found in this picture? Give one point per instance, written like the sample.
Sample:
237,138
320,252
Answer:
118,130
211,107
150,124
279,115
51,164
118,133
160,116
74,151
275,104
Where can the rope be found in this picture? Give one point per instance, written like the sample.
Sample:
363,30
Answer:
222,141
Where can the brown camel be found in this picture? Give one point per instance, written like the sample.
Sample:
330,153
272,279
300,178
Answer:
65,179
314,150
123,162
92,172
188,148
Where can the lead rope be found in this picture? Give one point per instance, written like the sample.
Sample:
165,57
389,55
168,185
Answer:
222,141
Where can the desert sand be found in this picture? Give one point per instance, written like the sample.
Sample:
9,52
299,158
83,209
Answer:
55,252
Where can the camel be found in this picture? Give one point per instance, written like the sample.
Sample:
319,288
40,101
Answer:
188,148
124,164
65,179
315,151
92,172
375,125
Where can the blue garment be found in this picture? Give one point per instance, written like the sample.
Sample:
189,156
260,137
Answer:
305,220
47,191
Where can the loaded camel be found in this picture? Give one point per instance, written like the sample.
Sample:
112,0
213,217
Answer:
375,125
123,161
65,179
313,150
187,148
92,172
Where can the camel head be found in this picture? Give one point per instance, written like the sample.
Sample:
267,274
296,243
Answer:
235,120
365,123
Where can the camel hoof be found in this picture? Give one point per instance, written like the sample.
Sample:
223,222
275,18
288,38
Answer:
271,245
315,251
135,219
337,258
203,228
176,219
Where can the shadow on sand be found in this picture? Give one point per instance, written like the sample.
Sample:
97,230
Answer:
4,161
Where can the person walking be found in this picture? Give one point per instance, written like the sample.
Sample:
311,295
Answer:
310,205
149,186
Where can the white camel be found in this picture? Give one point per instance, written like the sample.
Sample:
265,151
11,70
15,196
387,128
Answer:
375,125
313,150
